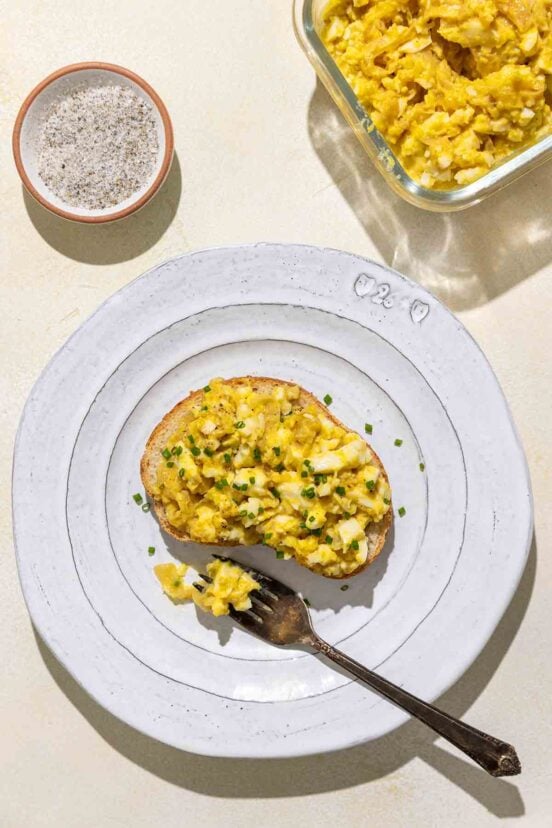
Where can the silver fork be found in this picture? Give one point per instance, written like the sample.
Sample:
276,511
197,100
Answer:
280,616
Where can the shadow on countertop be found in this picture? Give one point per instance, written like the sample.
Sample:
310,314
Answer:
117,241
466,258
273,778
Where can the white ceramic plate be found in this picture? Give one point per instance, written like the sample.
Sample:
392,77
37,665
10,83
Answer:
389,354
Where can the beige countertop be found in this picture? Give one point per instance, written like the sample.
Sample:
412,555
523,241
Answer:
262,155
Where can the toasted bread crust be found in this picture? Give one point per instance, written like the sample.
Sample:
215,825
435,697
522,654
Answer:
376,532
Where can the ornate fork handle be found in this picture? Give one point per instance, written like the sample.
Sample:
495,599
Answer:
496,757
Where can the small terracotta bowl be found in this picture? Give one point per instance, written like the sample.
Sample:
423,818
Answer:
30,117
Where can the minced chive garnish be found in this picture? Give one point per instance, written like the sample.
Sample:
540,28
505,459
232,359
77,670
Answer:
354,545
370,485
368,428
304,474
181,472
227,458
303,526
151,550
178,450
191,439
315,532
170,464
256,453
328,539
166,453
307,602
220,484
398,442
205,408
344,588
328,400
243,513
206,388
137,498
176,584
252,480
310,493
402,511
250,515
340,490
209,452
244,486
386,501
240,424
235,486
267,536
261,510
312,519
275,492
146,507
196,451
422,466
346,515
306,462
276,450
280,467
279,553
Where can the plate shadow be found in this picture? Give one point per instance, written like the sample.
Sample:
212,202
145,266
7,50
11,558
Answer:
117,241
273,778
467,258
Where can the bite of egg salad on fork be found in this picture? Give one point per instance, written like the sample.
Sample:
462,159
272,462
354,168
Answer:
253,460
228,585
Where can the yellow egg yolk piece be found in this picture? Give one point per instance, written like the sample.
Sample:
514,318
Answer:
248,466
454,87
231,585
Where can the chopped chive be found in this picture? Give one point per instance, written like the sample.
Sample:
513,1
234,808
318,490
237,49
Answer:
346,515
227,458
221,484
236,487
317,532
344,588
170,464
181,472
240,424
303,526
146,507
312,519
196,451
422,467
368,428
276,450
304,474
354,545
137,498
386,501
267,536
151,550
261,510
340,490
209,452
328,539
205,408
256,453
166,453
280,467
307,462
244,487
279,553
402,511
310,493
275,492
252,480
398,442
370,485
250,515
176,584
328,400
243,513
306,601
177,450
206,388
191,439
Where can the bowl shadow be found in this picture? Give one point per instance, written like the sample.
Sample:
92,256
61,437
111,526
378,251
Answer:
274,778
117,241
466,258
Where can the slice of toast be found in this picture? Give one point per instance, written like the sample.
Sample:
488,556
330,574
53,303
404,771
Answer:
182,411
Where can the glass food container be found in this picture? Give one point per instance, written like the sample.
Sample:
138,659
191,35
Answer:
307,20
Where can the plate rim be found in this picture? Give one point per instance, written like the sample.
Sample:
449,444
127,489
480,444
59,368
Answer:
282,750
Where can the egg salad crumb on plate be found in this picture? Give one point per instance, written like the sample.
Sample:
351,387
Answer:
454,87
230,585
257,460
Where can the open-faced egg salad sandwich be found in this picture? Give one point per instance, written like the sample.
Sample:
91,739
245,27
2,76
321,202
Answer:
254,460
